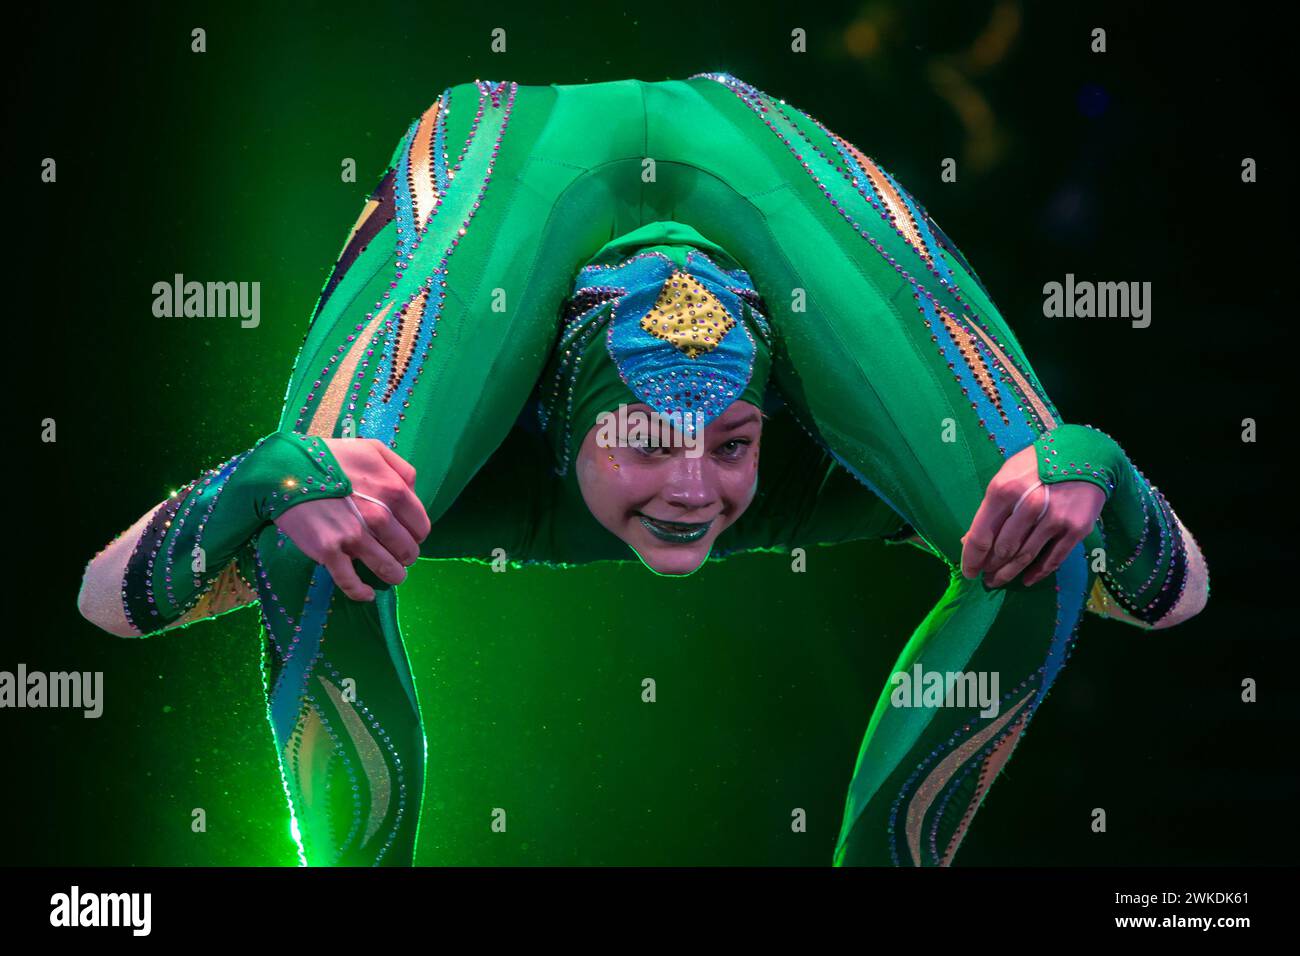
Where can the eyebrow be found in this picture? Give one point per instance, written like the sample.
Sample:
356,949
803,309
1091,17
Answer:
752,417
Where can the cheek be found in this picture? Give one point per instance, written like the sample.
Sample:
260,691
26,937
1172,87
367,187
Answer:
612,478
612,484
740,487
751,475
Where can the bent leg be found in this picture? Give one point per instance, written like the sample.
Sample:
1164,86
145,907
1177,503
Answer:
343,710
895,360
923,771
429,336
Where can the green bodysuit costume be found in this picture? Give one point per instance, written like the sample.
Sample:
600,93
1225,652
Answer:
896,393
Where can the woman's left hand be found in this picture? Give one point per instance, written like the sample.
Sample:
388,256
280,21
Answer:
1002,544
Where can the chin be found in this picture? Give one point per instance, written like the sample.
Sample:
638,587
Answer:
674,562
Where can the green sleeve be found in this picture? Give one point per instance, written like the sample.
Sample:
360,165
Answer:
1147,561
191,544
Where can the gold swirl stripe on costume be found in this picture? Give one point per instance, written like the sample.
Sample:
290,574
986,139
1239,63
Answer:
938,778
424,192
1031,396
227,591
308,753
993,765
370,207
327,413
1100,602
969,349
372,759
408,330
890,197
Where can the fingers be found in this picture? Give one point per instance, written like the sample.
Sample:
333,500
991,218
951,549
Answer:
1052,557
1002,544
1012,539
1040,537
384,536
367,549
398,493
339,565
330,533
404,469
389,532
977,544
407,509
1060,534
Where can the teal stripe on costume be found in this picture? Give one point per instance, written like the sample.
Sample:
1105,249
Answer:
403,200
985,409
286,697
1072,585
440,144
927,237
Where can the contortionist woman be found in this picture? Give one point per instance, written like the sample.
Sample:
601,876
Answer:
741,272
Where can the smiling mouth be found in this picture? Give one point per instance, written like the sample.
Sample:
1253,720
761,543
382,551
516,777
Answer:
675,532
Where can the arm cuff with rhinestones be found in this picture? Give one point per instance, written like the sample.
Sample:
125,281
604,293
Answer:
198,531
1146,565
1080,453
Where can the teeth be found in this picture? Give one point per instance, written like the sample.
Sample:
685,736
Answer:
676,525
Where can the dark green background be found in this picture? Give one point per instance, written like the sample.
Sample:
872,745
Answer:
225,166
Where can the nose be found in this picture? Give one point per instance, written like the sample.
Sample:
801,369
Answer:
690,485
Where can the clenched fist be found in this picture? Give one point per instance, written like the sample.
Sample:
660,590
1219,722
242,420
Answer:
1002,544
387,541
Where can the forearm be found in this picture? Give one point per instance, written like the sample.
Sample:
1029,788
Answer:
176,564
100,599
1151,572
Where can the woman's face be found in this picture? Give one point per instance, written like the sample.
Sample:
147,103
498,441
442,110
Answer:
669,504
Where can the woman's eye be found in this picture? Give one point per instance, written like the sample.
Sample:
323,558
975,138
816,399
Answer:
734,448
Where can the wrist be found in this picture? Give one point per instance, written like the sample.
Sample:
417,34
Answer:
286,469
1130,517
1081,453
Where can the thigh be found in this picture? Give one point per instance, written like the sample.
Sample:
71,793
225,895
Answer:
896,360
429,336
444,306
887,347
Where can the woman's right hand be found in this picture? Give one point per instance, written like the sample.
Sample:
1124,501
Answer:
327,529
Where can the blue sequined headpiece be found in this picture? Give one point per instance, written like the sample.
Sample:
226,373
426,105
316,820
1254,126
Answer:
667,326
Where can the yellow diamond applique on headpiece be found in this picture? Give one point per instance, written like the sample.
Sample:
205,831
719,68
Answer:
688,315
